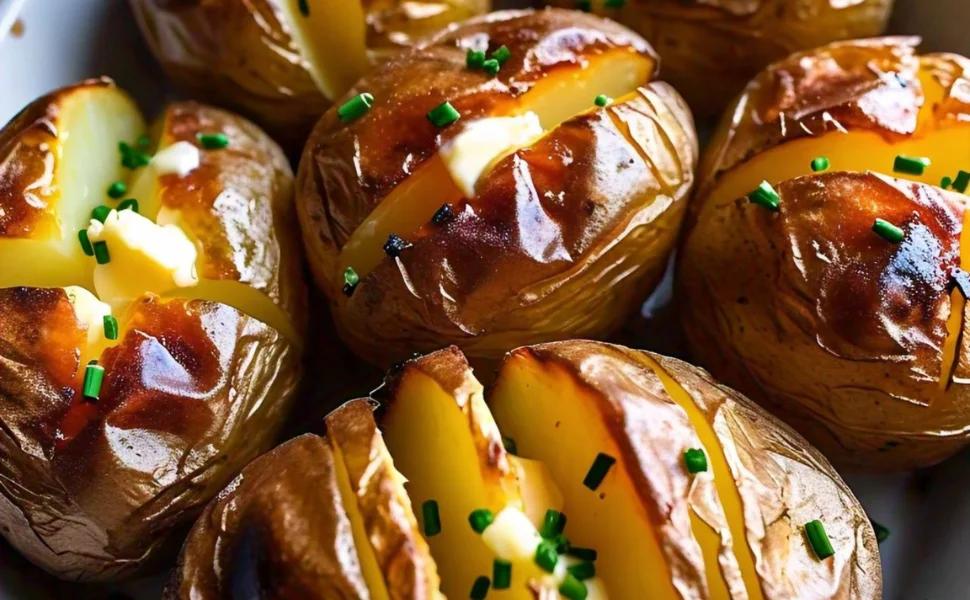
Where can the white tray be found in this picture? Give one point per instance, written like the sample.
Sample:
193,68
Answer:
928,513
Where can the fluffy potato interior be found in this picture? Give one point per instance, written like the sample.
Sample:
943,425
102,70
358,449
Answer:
563,94
82,164
332,38
451,453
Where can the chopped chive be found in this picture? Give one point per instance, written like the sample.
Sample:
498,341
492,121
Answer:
587,554
501,574
546,556
395,245
961,182
911,165
818,539
432,519
509,444
492,67
553,524
615,3
480,519
882,533
946,182
474,59
480,588
820,163
100,213
82,236
602,100
582,571
887,231
444,114
597,472
110,327
765,196
584,5
562,543
573,589
143,141
696,460
101,253
117,189
93,376
502,55
129,203
351,279
132,158
304,7
355,108
442,216
213,141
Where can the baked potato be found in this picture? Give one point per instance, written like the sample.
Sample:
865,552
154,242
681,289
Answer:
842,309
711,48
546,210
151,318
281,62
586,471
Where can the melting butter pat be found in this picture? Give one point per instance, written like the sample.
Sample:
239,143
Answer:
144,258
89,311
181,158
482,143
512,536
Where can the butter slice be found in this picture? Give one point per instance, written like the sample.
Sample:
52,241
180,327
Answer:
89,311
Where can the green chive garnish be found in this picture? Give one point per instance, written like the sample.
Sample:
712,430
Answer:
961,182
888,231
474,59
820,163
584,5
132,158
510,446
573,589
587,554
444,114
614,3
117,189
946,182
351,279
546,556
110,327
93,376
583,571
553,524
818,539
480,519
442,216
597,472
911,165
355,108
602,100
501,574
502,55
492,67
129,203
100,213
143,141
213,141
765,196
480,588
696,460
304,7
882,533
101,253
432,519
562,543
82,236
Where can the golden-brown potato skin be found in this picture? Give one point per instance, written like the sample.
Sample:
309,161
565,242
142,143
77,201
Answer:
564,238
710,48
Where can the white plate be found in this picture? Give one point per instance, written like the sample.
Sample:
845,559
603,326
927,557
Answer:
64,41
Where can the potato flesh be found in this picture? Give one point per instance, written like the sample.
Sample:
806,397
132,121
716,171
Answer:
332,39
562,95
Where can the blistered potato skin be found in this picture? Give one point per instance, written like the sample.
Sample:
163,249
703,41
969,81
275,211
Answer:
710,48
191,393
562,239
279,529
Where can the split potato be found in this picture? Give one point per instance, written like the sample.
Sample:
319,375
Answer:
151,319
537,215
586,471
851,331
282,62
711,48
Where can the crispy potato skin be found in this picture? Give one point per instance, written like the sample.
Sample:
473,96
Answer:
280,529
710,48
783,482
563,238
805,310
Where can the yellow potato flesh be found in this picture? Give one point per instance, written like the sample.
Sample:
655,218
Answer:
562,95
332,38
545,411
434,446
